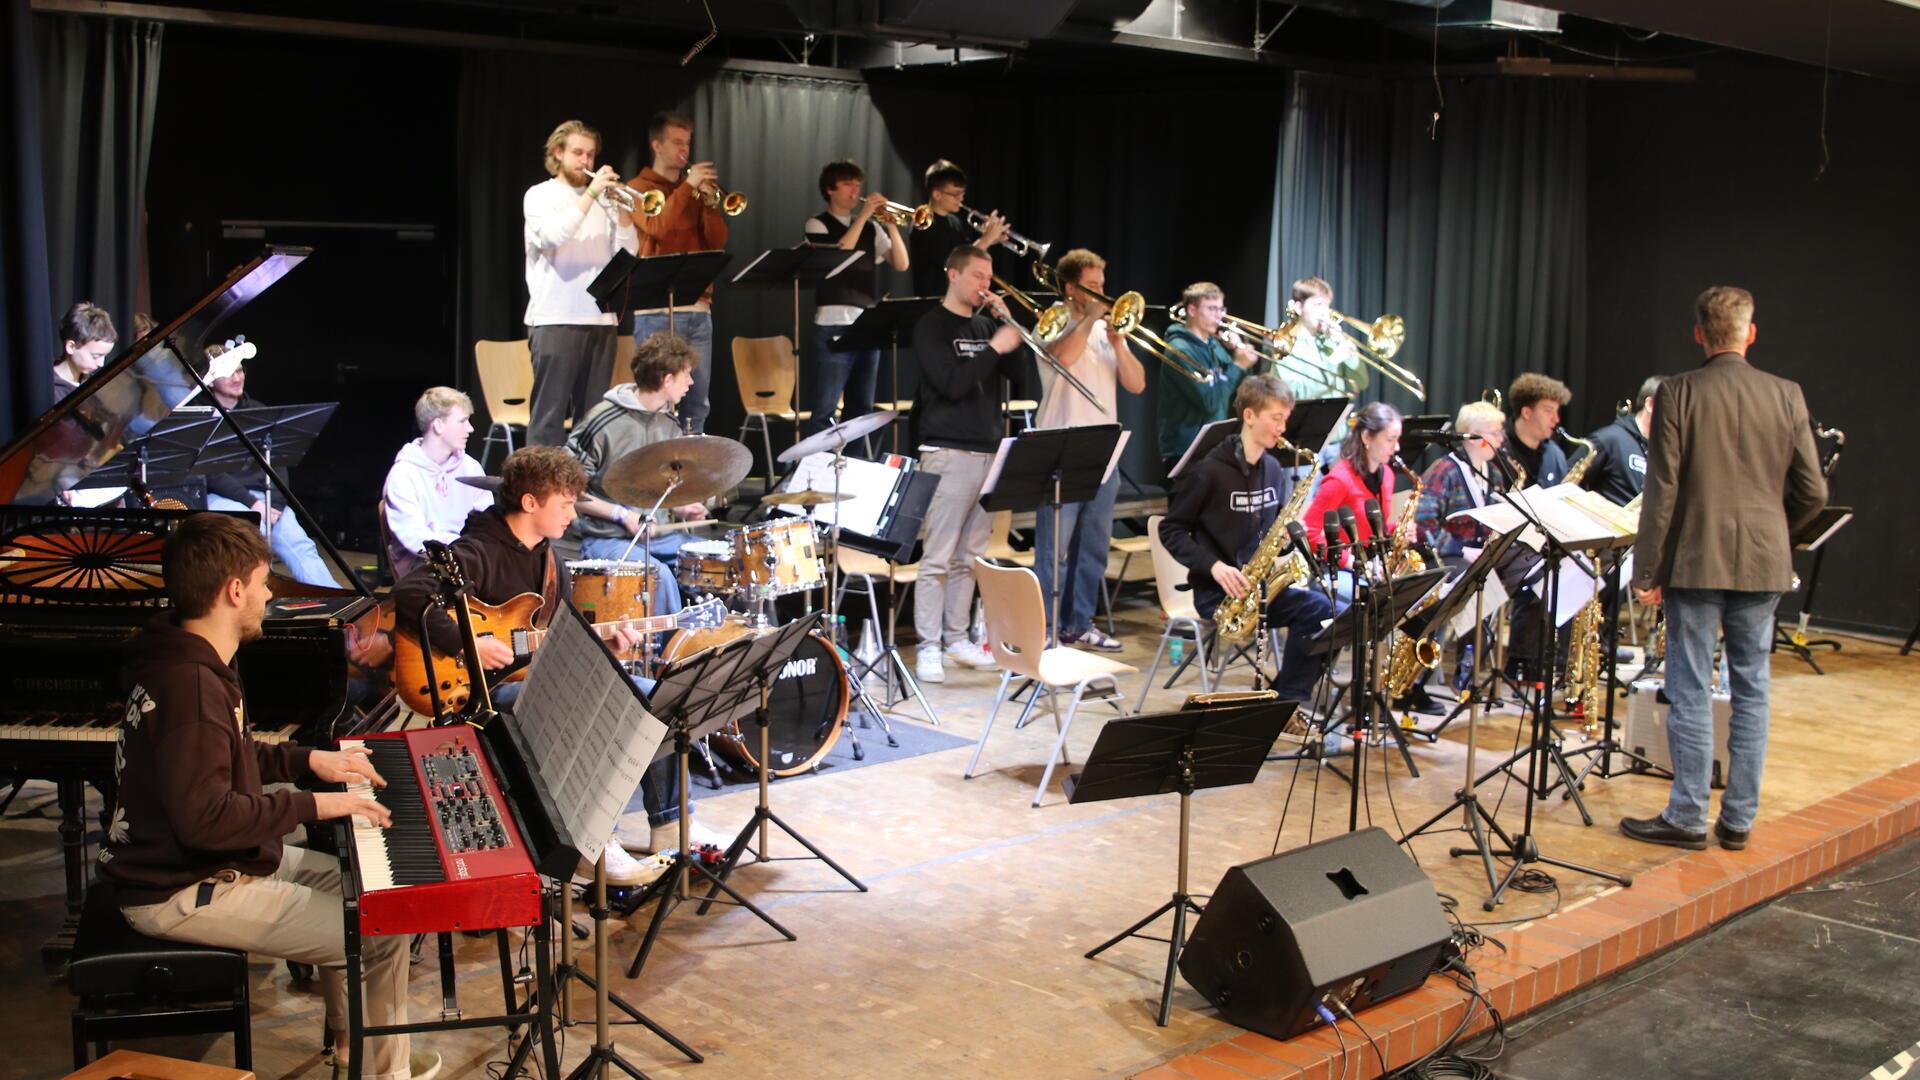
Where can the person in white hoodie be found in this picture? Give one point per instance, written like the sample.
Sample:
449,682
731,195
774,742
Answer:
423,496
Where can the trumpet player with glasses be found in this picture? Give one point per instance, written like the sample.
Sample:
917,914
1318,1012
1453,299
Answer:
1224,515
946,185
1098,356
1213,351
692,217
571,232
852,221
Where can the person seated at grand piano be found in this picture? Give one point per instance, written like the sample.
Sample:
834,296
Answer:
1620,471
423,496
194,848
1223,510
1536,401
631,416
86,337
245,489
507,550
1187,405
946,186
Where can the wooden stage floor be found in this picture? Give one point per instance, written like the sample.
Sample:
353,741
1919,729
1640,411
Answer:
965,959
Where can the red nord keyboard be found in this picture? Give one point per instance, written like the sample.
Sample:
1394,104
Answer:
453,858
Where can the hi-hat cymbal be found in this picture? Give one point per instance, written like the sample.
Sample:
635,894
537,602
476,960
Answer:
694,468
484,483
838,436
805,498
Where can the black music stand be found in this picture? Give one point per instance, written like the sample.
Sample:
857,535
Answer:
1376,611
696,696
782,642
1447,608
630,284
1314,419
1812,538
254,436
797,267
1215,740
881,327
1049,467
168,455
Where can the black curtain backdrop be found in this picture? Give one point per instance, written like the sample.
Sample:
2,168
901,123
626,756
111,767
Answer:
26,302
1473,229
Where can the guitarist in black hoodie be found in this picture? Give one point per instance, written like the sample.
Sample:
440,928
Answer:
1222,510
506,550
194,845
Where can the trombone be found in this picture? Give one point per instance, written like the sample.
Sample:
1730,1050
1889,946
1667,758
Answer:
902,216
1278,342
1379,340
1050,324
1013,241
646,202
1126,314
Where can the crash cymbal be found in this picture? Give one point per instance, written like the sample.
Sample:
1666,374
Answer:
805,498
839,435
694,467
484,483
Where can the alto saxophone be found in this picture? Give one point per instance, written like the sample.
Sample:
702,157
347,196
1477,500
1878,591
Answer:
1267,572
1580,467
1411,657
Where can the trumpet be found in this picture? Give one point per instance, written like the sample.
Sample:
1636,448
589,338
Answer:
647,202
1050,323
1379,341
902,216
1126,314
730,203
1013,241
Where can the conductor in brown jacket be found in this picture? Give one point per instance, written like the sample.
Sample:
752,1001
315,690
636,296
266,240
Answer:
1731,473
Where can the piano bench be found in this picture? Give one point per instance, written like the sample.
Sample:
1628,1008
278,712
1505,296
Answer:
132,986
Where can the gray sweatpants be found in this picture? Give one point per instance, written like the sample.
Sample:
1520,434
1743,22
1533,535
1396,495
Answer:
957,532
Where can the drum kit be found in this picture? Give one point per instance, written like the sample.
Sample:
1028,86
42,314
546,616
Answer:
752,566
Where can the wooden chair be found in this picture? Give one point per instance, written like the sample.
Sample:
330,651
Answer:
623,351
506,385
765,369
999,545
1126,547
1017,634
1176,599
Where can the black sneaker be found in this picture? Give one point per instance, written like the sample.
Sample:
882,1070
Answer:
1417,700
1731,839
1656,830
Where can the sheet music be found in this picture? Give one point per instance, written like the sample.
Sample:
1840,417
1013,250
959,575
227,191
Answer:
1199,437
1119,447
590,737
1569,526
871,483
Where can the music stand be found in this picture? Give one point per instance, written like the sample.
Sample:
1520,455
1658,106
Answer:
807,265
166,456
1215,740
696,696
1812,538
1448,607
630,284
253,436
1313,420
1043,467
881,327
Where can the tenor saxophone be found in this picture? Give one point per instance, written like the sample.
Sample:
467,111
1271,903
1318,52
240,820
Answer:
1268,571
1580,467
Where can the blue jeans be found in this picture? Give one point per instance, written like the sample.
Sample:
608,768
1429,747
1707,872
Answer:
662,553
290,542
1089,530
659,785
1302,612
1746,618
697,328
836,374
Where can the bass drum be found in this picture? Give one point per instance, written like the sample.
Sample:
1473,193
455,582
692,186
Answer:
806,711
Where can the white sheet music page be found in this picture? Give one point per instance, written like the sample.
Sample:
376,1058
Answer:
590,737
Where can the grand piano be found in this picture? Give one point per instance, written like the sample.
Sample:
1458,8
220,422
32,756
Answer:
81,573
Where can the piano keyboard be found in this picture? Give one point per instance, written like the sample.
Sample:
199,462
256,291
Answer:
90,727
453,859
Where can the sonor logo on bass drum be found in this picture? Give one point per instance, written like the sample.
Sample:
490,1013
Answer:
803,669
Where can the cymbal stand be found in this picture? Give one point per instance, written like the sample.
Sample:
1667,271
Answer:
834,624
605,1052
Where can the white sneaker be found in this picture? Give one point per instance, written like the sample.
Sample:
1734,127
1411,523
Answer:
973,655
667,837
624,869
927,666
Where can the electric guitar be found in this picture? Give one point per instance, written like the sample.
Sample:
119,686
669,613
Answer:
513,623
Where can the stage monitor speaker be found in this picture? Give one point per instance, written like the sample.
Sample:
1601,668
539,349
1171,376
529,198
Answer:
1350,919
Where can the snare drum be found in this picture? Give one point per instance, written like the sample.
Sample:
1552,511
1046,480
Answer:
706,565
806,710
607,590
778,557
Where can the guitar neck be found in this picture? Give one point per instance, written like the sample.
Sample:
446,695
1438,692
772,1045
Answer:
645,625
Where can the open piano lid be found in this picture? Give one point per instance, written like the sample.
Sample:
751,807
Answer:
126,397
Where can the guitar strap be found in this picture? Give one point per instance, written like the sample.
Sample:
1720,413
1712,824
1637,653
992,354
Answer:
549,592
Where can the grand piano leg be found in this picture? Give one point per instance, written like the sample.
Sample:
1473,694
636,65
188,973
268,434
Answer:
73,850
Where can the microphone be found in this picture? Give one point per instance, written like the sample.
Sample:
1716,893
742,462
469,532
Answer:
1298,533
1331,529
1376,522
1351,528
